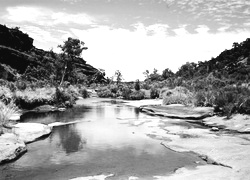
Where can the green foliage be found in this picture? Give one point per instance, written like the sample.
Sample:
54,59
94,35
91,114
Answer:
178,95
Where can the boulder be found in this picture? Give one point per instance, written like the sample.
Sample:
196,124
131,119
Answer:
11,147
29,132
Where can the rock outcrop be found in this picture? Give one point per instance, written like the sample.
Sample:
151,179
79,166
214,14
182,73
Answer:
11,147
20,56
14,38
29,132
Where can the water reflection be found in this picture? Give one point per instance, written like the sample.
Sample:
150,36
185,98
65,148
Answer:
70,140
103,142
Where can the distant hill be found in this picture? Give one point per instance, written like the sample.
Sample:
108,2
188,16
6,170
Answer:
231,64
19,58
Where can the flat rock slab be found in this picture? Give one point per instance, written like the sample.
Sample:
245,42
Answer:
11,147
29,132
238,122
177,111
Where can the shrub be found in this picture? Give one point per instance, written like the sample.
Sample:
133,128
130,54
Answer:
137,95
178,95
113,88
104,92
137,85
126,91
204,98
64,98
154,93
231,99
6,95
21,85
83,92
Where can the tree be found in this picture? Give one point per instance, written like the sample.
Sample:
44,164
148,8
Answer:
137,85
146,74
167,73
118,76
155,76
72,48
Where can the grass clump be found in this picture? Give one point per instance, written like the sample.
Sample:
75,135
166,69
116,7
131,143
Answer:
6,111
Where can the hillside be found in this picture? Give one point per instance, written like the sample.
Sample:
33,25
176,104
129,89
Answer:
20,59
233,64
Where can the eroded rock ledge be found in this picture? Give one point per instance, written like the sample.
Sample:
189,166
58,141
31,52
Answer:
178,111
12,144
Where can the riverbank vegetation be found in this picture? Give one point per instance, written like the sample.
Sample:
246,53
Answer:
31,77
222,83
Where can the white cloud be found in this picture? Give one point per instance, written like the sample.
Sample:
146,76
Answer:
45,17
134,52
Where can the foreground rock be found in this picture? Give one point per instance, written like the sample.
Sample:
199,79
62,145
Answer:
177,111
29,132
11,147
227,154
238,122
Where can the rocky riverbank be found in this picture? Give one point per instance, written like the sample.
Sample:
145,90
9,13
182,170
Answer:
223,143
13,143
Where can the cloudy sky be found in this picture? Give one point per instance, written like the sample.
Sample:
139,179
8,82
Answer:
133,35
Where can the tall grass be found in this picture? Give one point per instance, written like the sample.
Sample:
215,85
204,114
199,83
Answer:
178,95
6,111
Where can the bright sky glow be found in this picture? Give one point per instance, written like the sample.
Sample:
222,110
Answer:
133,35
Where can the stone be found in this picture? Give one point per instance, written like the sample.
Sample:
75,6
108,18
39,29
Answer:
215,129
29,132
11,147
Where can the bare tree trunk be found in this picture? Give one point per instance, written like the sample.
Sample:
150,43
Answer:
63,75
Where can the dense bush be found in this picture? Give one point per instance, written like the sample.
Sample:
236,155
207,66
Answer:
126,91
154,93
64,97
83,92
204,98
231,99
178,95
137,85
137,95
104,92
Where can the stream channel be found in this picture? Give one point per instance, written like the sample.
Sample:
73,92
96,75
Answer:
107,138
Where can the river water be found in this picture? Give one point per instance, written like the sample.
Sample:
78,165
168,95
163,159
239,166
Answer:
107,139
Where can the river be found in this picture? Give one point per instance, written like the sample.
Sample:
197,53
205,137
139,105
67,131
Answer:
107,138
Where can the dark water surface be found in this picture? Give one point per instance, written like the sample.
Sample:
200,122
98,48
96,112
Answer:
105,141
